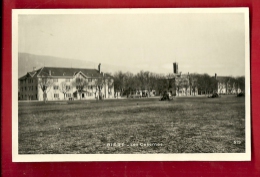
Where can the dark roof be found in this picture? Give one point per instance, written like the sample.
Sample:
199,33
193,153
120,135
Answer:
69,71
222,78
64,72
31,74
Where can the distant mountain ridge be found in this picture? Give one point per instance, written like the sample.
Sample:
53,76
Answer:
26,63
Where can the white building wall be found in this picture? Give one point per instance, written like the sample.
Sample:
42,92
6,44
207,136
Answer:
92,91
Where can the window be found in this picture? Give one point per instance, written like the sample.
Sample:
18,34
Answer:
79,80
35,87
67,87
56,95
36,96
21,88
55,87
68,95
32,87
90,80
67,80
55,80
24,88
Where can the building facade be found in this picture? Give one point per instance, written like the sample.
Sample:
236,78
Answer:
187,85
226,85
52,83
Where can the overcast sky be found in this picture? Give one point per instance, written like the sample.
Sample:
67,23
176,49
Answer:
203,43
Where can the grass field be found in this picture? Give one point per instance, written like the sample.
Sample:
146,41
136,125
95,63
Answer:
184,125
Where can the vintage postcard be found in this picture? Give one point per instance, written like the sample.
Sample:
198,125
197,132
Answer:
131,85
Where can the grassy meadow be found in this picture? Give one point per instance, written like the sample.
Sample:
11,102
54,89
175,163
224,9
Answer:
183,125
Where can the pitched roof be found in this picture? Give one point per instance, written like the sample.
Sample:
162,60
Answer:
63,72
222,78
69,71
30,74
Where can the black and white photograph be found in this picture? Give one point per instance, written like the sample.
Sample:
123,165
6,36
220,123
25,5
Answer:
131,85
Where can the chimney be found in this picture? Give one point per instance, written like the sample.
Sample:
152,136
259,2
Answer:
99,69
50,72
34,68
215,75
175,68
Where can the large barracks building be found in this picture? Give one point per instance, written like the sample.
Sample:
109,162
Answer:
53,83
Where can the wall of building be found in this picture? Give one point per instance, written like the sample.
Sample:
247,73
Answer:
90,91
226,88
28,89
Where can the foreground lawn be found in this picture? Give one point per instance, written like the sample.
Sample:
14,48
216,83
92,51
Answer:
184,125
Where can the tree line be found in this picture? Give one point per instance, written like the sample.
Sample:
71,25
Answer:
127,83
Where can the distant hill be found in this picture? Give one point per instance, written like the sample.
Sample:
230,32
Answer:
26,63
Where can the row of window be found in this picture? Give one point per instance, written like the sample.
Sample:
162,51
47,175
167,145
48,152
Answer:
80,87
56,80
82,79
30,97
77,80
24,81
56,87
56,95
67,95
30,88
30,80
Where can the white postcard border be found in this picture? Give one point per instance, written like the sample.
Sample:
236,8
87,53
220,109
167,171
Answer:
127,157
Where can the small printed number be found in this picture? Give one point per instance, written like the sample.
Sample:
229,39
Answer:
237,142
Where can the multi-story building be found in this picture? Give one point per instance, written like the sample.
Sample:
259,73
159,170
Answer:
227,86
53,83
185,84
